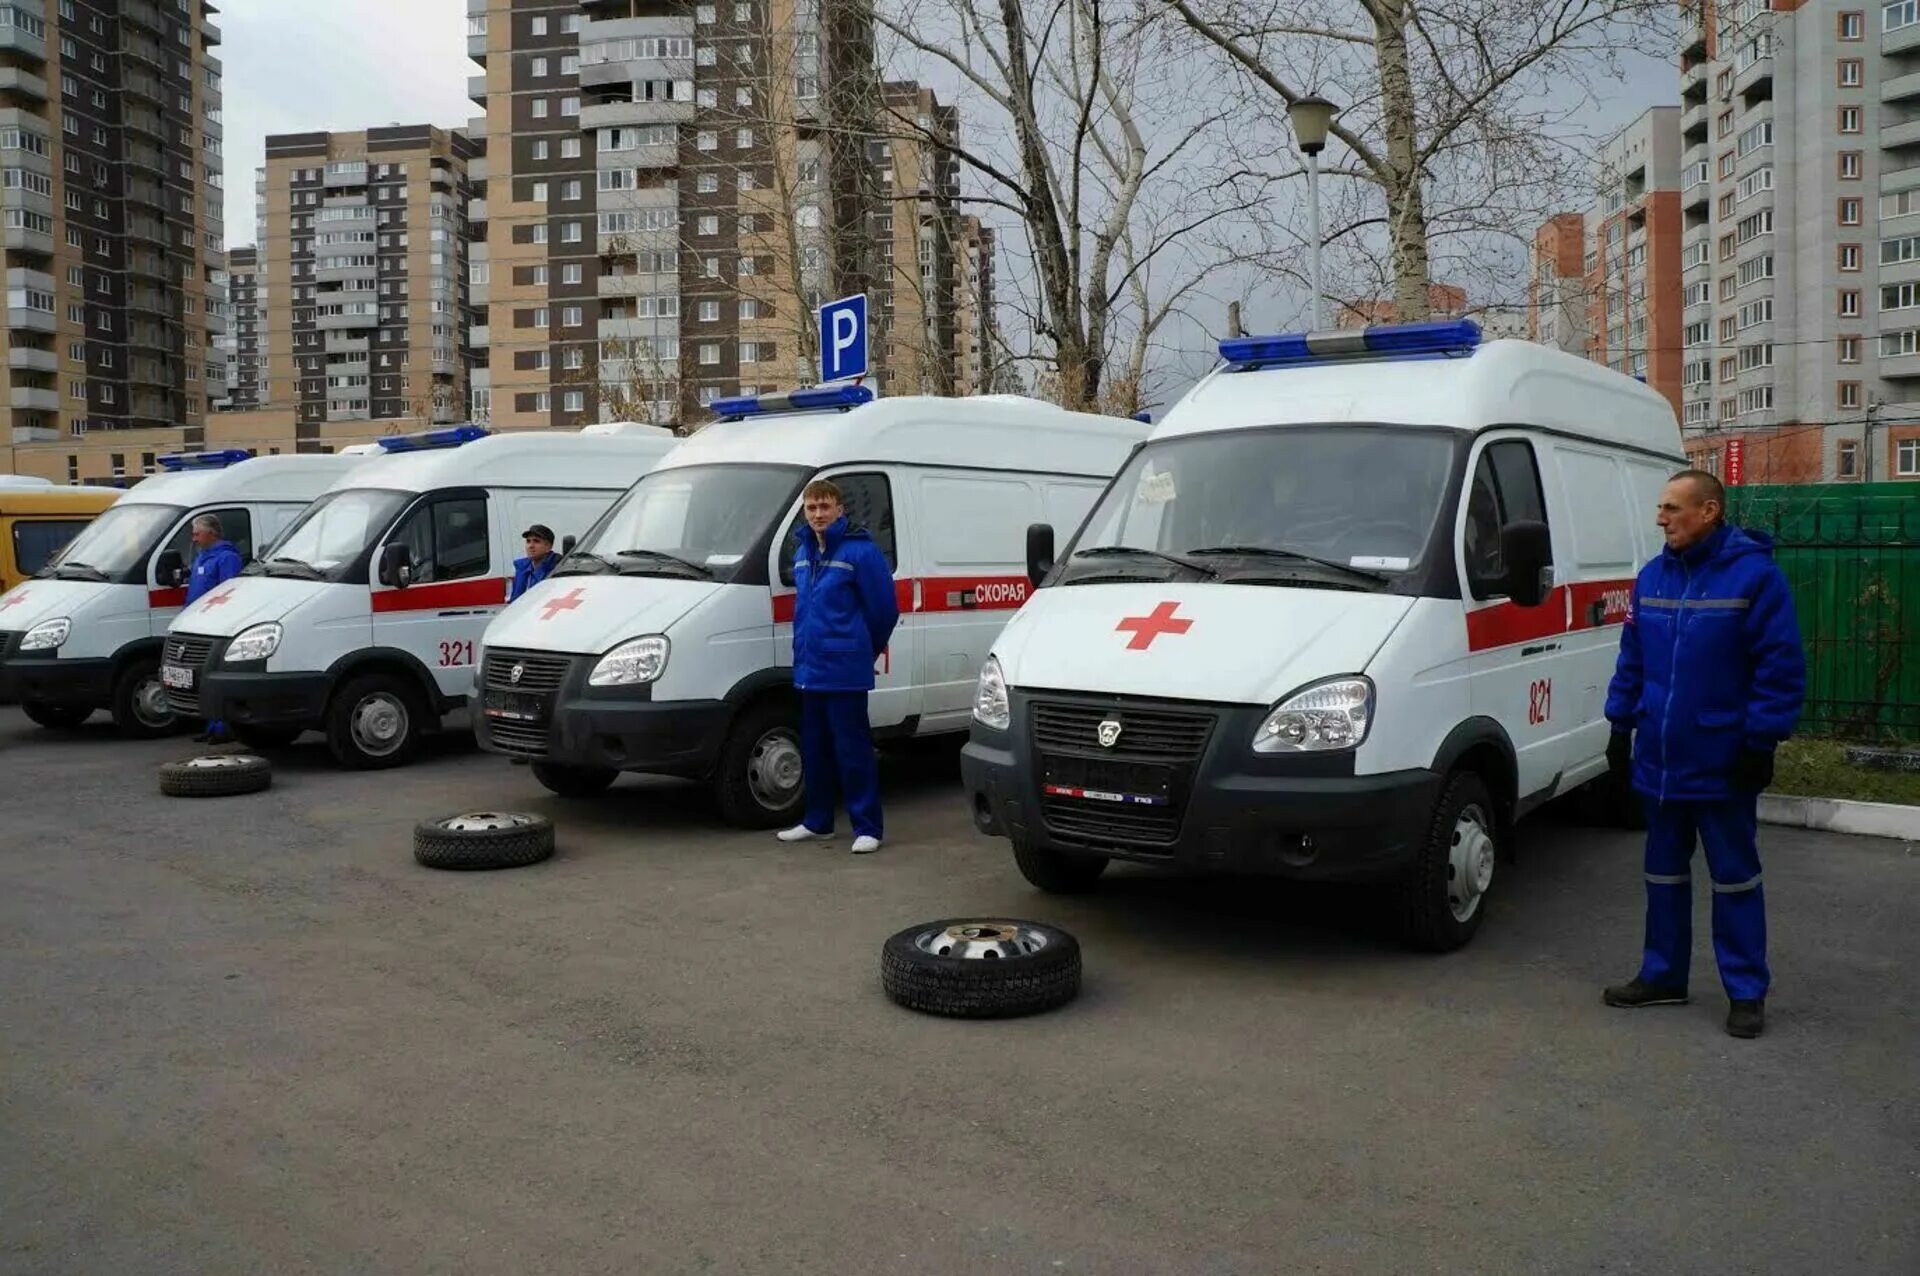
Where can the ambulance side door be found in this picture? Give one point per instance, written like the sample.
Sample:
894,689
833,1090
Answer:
458,584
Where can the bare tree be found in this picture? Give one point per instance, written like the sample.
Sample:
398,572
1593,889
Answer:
1462,121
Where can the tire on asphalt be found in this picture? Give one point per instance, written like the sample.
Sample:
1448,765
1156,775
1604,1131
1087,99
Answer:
375,722
1056,872
257,737
55,717
139,701
1441,897
980,968
483,839
758,783
216,775
574,781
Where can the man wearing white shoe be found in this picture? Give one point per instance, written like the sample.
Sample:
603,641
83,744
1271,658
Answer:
844,613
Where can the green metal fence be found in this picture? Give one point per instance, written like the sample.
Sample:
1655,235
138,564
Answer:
1852,554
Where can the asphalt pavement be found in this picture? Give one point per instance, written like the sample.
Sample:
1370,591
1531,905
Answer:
250,1035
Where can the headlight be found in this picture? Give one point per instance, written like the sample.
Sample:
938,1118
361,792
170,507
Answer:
47,635
1329,715
635,661
255,643
990,708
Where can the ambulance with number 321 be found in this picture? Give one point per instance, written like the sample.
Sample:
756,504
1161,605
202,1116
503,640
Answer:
1348,615
664,642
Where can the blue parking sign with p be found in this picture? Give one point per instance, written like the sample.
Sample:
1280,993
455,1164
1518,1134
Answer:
843,338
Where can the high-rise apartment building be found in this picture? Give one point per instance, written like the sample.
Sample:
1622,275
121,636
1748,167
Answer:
110,194
1557,284
363,265
1632,261
242,340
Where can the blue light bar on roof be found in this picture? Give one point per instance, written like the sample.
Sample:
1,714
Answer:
175,462
807,399
1435,339
453,436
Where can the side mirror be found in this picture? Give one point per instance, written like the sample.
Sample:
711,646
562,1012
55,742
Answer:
1039,552
168,569
396,566
567,543
1527,551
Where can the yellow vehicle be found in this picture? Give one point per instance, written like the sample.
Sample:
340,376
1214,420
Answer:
36,521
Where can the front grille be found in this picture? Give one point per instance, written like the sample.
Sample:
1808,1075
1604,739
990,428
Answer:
539,672
192,651
1161,734
529,738
1106,824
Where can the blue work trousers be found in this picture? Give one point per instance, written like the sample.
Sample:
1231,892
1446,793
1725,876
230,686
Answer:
836,750
1726,828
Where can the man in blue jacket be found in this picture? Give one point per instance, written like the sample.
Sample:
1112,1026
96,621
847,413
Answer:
215,562
844,613
539,562
1710,679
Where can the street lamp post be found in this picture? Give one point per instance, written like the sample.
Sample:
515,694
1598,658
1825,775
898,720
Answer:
1311,117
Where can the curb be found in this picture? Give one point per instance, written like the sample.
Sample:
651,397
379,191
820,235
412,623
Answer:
1837,815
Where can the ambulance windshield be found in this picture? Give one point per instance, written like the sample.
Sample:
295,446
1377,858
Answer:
696,520
113,544
332,533
1336,505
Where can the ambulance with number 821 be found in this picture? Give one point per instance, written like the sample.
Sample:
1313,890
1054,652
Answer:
1348,615
664,643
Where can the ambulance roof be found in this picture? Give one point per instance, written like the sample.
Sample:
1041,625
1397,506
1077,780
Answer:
1001,431
263,478
1494,384
528,458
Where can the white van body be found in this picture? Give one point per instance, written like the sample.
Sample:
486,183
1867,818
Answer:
947,488
1408,709
336,642
116,596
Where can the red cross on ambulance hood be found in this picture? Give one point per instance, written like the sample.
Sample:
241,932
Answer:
28,604
1240,644
605,612
250,600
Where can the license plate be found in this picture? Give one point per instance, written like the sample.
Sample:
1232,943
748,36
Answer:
178,676
516,708
1096,780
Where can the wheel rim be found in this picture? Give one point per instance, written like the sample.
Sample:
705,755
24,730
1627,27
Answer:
150,705
379,724
774,770
484,821
981,941
1470,862
222,761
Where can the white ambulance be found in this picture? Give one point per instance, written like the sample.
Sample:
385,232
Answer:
86,633
1349,615
363,622
665,642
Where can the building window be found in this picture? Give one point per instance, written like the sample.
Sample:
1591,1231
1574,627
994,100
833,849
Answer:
709,353
540,148
707,99
743,138
1853,73
703,14
705,55
538,27
1849,303
569,232
571,192
1725,123
569,148
569,106
1853,25
1850,166
1849,256
708,183
539,195
570,273
1898,15
539,69
1849,394
1846,461
747,266
570,316
708,224
1849,119
749,308
573,401
1850,211
706,140
539,108
540,317
1906,458
1849,349
709,312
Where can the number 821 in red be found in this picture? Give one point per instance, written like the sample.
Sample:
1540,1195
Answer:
1539,702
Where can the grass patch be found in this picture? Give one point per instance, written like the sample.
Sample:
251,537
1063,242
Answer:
1819,768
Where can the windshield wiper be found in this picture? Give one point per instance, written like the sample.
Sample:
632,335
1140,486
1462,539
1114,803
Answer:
661,556
1267,551
87,571
295,567
1129,551
581,563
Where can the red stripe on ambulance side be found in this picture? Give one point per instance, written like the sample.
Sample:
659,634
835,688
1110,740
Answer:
940,593
488,592
1504,624
157,598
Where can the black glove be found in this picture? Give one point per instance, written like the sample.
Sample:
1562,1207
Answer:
1753,770
1620,754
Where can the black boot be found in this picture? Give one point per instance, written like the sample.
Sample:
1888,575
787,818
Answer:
1637,992
1746,1019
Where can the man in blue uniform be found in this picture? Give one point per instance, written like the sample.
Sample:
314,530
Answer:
844,613
539,562
215,562
1710,679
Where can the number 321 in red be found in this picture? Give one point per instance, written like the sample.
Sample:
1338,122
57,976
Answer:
1539,702
456,653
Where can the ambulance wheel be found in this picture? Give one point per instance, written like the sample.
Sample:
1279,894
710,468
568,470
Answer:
215,775
968,968
55,717
1057,873
139,705
374,722
574,781
1442,895
265,737
758,784
483,839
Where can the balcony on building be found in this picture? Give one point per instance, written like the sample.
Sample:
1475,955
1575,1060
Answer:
1900,137
480,336
21,88
477,37
23,31
1895,180
32,359
336,413
340,342
27,398
340,174
1901,39
1753,83
613,106
1901,88
477,90
347,322
1693,123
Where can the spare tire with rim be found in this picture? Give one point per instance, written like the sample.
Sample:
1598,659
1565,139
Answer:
981,968
483,839
216,775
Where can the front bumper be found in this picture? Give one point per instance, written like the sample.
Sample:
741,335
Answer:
265,699
1226,809
565,722
48,679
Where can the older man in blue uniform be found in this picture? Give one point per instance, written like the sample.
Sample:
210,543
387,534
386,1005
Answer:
1710,679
